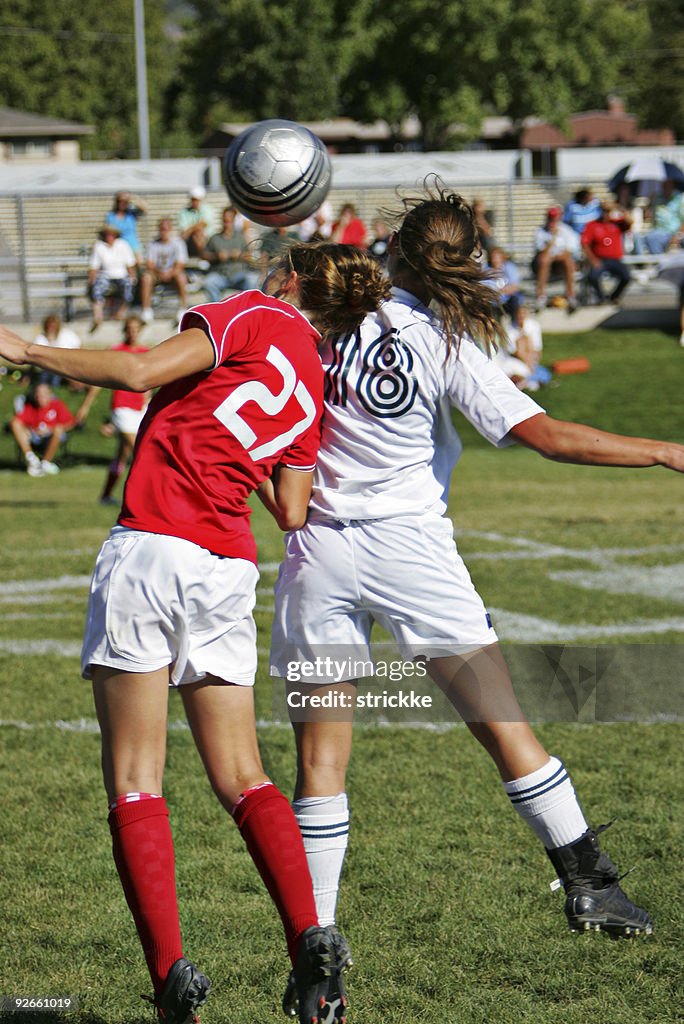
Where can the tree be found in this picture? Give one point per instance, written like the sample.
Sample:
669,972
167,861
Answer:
77,62
253,59
452,62
655,85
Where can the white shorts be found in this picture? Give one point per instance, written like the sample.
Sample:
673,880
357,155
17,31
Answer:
157,601
404,573
127,421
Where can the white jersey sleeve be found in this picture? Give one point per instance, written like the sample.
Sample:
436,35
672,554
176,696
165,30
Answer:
484,394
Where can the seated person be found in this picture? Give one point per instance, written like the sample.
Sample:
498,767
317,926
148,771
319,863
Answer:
349,229
112,269
195,222
165,264
54,335
581,209
318,227
229,255
124,215
668,222
506,280
603,248
520,358
381,237
274,243
41,423
555,248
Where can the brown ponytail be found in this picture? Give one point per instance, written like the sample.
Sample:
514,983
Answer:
338,284
437,247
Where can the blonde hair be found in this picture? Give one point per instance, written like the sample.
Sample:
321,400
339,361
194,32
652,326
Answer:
437,244
338,284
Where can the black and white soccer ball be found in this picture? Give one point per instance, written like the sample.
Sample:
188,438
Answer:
277,172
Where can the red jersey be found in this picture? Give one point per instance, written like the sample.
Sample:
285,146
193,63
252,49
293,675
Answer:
210,439
604,238
43,421
128,399
354,233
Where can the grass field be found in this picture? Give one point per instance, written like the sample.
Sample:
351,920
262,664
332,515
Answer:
446,894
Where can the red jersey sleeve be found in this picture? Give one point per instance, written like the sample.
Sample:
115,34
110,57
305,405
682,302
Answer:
64,416
221,322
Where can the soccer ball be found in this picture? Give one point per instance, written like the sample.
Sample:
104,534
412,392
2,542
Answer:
277,172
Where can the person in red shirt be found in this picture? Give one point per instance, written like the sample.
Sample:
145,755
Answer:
238,409
349,229
128,409
603,249
42,422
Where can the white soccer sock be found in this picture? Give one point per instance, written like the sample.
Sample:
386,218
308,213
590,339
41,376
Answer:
324,824
546,800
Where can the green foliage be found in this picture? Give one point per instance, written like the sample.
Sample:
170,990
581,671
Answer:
77,62
655,86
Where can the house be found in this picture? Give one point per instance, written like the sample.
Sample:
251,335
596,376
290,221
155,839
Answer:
28,138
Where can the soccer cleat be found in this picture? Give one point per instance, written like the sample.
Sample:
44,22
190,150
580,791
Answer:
185,989
343,961
321,999
594,900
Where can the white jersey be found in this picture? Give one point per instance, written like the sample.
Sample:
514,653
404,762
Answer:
388,445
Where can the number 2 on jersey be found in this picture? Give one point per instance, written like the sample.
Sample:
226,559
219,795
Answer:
271,404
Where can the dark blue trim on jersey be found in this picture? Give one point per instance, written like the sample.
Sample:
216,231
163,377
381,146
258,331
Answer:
540,792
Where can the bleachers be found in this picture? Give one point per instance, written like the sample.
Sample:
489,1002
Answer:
45,238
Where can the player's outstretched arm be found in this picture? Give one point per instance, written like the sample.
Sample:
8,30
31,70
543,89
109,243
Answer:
563,441
180,356
286,496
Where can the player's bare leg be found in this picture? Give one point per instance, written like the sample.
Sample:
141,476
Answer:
221,716
324,743
479,687
132,712
117,467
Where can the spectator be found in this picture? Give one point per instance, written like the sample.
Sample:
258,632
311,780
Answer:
165,264
506,280
274,243
381,237
124,215
318,227
196,222
128,409
54,335
555,247
42,423
112,270
349,229
228,254
483,222
603,249
668,222
581,209
520,357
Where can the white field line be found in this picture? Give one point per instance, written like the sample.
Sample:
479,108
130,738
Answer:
659,581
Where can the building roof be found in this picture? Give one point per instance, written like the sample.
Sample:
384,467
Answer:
15,123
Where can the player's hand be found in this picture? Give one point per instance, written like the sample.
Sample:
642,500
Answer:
674,457
12,347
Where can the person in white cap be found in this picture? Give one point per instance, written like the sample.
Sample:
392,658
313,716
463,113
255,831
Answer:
196,222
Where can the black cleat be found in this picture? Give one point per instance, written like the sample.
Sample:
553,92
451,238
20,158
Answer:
185,989
343,961
594,900
321,999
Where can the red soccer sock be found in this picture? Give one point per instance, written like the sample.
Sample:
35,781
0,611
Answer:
270,830
143,854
